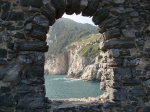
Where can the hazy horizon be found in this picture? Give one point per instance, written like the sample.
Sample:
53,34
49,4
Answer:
79,18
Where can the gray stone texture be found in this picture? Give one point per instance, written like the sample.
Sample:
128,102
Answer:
117,94
124,47
120,74
138,91
7,100
117,44
31,101
3,53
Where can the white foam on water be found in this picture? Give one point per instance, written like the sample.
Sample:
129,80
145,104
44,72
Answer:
72,80
55,79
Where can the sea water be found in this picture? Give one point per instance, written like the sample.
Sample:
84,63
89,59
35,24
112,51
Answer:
60,87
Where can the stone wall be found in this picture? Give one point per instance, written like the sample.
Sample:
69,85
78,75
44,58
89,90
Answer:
125,49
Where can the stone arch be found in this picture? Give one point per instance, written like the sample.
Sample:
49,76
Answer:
125,50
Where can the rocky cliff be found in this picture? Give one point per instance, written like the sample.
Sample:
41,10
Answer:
57,65
64,32
79,60
76,62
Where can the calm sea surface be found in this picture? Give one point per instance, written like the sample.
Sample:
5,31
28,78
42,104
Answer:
59,87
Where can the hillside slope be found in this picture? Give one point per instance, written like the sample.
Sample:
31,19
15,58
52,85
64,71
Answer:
78,60
64,32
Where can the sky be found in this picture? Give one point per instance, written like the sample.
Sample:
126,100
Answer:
79,18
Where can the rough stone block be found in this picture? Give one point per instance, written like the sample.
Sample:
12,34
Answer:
7,100
29,89
113,53
130,63
133,98
91,8
60,7
134,14
138,92
83,5
34,3
38,33
145,109
12,16
112,22
134,1
7,109
147,83
6,6
32,81
71,6
2,61
117,10
112,33
6,23
1,39
145,1
117,94
28,26
11,28
144,78
102,27
148,28
37,71
11,72
3,53
120,74
19,35
128,108
119,1
38,58
24,59
113,84
147,67
125,52
147,50
5,89
6,69
41,20
113,62
100,16
136,20
111,104
31,101
117,44
141,73
128,33
132,83
31,9
49,12
33,46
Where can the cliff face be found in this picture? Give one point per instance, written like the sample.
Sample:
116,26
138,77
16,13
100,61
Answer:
64,32
68,55
57,65
84,69
91,72
74,61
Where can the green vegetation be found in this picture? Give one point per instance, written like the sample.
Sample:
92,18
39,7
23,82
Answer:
90,38
100,57
90,47
66,31
89,50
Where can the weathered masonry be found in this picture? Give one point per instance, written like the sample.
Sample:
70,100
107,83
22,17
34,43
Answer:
125,49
